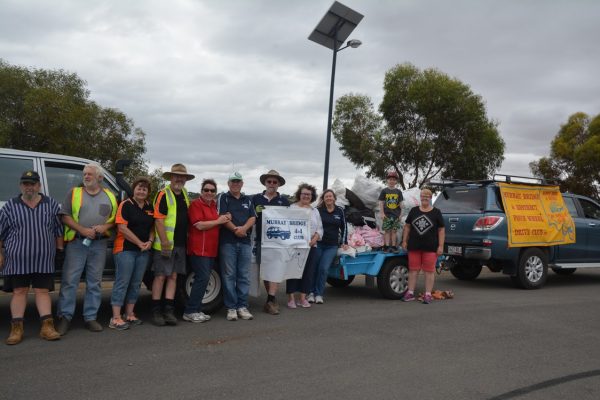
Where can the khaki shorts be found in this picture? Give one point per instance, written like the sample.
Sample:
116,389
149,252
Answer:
166,266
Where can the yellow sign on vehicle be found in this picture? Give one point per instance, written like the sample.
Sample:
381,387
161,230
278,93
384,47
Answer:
536,216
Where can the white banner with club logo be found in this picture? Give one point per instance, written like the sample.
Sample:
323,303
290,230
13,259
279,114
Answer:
285,237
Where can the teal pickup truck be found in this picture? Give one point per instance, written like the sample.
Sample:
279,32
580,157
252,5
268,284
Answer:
477,235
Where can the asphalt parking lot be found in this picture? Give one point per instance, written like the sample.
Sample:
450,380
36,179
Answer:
490,342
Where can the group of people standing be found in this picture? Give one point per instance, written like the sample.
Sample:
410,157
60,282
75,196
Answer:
38,234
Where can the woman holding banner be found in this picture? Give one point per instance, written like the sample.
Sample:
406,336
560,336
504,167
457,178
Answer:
305,195
334,235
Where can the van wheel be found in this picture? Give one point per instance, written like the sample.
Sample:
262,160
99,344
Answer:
564,271
466,272
532,270
340,283
213,297
392,279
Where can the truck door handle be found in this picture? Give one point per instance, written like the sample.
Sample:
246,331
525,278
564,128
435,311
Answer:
453,219
592,224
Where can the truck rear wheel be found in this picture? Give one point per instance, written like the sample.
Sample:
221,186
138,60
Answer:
213,297
466,272
532,270
392,279
340,283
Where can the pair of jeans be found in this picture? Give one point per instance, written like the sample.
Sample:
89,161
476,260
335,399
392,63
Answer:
234,259
202,267
306,284
77,259
326,258
131,266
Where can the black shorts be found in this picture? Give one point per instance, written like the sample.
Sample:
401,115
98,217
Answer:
36,281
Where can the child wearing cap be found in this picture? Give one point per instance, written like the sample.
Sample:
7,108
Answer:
390,207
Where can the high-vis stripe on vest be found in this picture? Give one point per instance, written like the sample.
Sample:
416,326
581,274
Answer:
76,200
171,218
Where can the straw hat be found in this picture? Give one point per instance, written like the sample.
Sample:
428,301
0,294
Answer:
274,174
178,169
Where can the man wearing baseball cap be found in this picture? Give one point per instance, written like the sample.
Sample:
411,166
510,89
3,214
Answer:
31,232
171,226
272,181
235,250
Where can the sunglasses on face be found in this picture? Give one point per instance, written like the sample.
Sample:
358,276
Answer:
272,182
305,194
206,190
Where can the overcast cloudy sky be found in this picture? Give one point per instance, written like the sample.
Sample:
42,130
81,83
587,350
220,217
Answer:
224,85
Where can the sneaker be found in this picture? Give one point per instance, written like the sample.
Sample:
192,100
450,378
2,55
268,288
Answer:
231,314
196,317
132,319
394,249
386,249
291,304
271,308
243,313
319,299
406,296
303,304
93,326
169,316
118,324
427,299
310,298
62,327
158,319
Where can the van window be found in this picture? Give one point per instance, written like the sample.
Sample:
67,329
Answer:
61,177
11,170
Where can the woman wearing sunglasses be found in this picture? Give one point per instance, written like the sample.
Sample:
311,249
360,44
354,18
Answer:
202,246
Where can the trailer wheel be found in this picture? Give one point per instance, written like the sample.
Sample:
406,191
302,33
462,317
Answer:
392,279
340,283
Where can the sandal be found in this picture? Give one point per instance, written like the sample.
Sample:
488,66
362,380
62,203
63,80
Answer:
132,319
118,324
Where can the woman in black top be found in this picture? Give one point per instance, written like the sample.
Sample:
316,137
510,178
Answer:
423,237
135,222
334,234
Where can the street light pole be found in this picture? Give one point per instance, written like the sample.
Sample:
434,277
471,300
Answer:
332,31
330,116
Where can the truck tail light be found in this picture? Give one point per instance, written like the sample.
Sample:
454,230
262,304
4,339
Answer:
487,223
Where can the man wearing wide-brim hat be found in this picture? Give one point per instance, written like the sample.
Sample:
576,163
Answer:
272,181
170,223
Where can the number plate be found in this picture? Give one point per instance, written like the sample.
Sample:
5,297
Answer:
455,250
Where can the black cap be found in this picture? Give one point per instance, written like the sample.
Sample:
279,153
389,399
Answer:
30,176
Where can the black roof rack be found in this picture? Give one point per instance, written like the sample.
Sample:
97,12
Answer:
527,180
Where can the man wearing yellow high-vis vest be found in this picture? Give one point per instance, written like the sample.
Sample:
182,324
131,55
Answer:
88,213
171,223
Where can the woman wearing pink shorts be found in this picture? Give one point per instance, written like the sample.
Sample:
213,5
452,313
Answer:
423,237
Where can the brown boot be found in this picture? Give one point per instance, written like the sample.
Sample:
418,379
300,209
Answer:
48,332
16,332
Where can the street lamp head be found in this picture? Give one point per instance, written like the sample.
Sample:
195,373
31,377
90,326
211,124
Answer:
354,43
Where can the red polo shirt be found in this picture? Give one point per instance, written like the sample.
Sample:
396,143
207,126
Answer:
202,243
